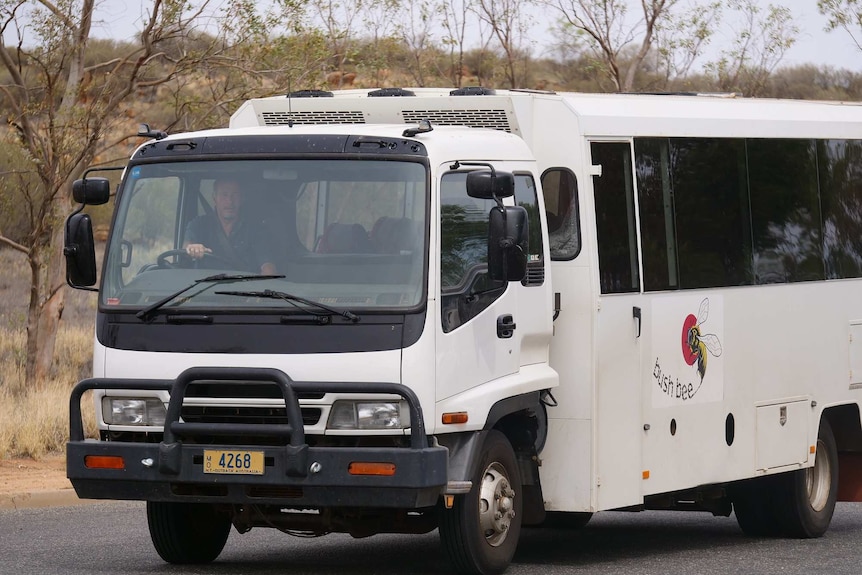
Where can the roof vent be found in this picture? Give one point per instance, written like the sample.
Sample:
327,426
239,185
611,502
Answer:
473,91
311,94
386,92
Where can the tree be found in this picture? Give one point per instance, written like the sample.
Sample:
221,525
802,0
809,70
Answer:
416,31
681,39
611,34
453,16
844,14
758,47
338,20
256,52
674,38
60,108
509,25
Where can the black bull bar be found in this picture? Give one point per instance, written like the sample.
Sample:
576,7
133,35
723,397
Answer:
296,472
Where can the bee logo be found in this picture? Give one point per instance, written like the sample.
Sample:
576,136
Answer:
695,343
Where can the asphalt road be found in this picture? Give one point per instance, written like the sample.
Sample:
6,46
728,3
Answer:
112,538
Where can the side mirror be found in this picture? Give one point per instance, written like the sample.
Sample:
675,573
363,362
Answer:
486,185
80,251
92,191
507,243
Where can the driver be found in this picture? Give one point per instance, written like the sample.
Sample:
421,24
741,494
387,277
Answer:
226,236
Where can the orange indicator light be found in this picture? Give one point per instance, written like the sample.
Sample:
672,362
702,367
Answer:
371,468
455,417
812,449
646,474
104,462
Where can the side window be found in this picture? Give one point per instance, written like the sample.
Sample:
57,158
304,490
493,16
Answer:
695,214
615,218
527,197
840,177
151,223
785,210
465,286
561,208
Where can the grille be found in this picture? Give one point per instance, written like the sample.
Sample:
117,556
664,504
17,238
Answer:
320,117
257,415
494,119
223,390
535,276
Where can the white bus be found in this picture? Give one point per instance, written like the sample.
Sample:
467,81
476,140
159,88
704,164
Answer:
485,307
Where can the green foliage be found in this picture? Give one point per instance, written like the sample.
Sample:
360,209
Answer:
17,184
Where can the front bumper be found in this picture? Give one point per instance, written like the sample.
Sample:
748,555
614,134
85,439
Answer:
295,475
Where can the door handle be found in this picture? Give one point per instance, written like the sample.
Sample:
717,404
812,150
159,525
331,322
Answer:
505,326
636,313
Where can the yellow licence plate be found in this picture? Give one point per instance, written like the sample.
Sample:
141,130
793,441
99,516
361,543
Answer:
233,462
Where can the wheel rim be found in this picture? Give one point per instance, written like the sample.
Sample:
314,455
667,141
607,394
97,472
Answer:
818,479
496,504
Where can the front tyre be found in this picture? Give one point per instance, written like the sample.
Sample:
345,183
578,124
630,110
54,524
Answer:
187,533
480,533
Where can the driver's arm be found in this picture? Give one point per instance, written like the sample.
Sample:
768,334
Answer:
193,243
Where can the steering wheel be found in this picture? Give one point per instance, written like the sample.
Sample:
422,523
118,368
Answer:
162,260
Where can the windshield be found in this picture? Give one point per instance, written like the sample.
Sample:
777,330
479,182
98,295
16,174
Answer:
343,233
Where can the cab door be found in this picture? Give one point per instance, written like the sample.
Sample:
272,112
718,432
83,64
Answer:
478,339
620,327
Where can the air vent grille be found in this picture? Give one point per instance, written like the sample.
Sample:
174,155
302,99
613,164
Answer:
535,275
318,117
494,119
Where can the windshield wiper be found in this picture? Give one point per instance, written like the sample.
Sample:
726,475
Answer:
146,313
292,299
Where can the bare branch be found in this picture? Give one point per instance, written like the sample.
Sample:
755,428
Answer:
14,245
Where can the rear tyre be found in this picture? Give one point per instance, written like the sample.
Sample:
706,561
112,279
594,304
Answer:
187,533
480,533
807,499
796,504
753,507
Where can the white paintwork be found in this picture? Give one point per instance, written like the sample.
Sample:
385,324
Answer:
782,345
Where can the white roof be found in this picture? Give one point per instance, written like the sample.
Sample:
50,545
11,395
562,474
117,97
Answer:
598,115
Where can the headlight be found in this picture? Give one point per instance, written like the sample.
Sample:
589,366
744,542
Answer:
369,415
133,411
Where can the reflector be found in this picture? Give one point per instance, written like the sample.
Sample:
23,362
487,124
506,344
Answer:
371,468
104,462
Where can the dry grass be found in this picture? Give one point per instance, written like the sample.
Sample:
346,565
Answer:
37,422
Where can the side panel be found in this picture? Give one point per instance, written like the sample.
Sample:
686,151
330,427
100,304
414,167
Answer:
568,459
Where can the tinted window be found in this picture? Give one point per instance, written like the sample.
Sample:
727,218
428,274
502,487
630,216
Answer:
711,207
840,173
785,210
615,218
695,222
561,209
465,286
655,198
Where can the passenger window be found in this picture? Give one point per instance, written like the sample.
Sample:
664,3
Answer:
466,289
615,218
561,208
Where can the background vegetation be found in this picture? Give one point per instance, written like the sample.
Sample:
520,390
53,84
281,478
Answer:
70,101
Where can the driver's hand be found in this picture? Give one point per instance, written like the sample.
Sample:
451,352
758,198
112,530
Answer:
197,251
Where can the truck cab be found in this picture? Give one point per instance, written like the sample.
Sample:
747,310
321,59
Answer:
364,345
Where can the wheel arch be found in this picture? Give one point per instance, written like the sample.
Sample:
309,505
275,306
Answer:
847,428
512,417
